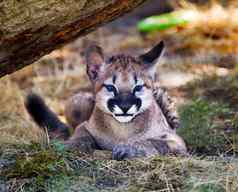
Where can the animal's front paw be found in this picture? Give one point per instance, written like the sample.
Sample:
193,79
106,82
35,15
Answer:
124,151
161,146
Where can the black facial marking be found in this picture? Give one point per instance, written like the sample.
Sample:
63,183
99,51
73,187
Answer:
114,77
124,101
138,103
125,105
135,78
111,104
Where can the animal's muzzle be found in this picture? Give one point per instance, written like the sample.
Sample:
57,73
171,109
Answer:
124,101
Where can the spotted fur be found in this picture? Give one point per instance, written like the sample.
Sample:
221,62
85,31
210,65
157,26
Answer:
167,106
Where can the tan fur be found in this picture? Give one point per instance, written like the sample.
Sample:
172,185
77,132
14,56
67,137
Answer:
149,125
126,112
79,108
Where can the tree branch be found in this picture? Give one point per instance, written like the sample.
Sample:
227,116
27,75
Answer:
31,29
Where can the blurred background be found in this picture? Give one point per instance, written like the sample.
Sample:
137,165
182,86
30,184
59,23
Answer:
199,69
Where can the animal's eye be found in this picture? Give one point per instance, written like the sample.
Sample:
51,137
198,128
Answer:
110,88
138,88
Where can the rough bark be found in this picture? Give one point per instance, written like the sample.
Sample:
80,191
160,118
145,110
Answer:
30,29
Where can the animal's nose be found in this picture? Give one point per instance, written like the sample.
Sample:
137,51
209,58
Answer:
125,107
126,100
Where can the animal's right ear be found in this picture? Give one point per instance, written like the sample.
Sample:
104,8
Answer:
95,60
150,59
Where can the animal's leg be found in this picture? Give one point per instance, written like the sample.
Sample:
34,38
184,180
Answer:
82,140
132,150
170,143
79,108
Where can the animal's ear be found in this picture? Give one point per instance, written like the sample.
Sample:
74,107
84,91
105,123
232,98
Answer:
149,59
94,59
152,55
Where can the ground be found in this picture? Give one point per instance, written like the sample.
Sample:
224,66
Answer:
199,70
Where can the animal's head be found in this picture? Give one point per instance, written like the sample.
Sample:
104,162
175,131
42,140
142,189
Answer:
123,84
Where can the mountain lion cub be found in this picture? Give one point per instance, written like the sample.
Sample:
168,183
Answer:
121,115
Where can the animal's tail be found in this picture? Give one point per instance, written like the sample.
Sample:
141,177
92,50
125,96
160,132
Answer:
45,118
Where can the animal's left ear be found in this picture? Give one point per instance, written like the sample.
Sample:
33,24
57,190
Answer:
95,60
149,59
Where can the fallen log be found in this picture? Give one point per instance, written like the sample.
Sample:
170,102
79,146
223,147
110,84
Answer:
31,29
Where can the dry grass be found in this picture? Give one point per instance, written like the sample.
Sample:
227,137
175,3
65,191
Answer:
35,167
15,125
38,170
